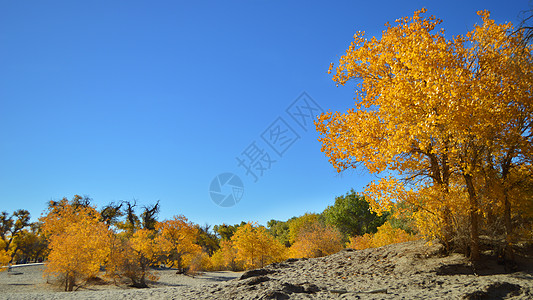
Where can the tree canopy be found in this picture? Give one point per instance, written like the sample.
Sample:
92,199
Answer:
450,119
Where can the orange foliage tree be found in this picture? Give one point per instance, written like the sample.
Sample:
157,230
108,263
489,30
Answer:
225,258
256,247
177,241
439,114
316,240
133,258
78,242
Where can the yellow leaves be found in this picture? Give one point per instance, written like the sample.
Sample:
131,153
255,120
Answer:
144,244
256,247
132,258
81,249
78,243
4,259
361,242
300,224
137,255
225,258
197,262
383,196
62,214
484,14
316,240
176,239
385,235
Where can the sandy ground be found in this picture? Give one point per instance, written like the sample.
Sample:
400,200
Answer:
403,271
29,283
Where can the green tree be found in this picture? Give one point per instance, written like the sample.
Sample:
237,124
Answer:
225,232
280,230
351,214
207,239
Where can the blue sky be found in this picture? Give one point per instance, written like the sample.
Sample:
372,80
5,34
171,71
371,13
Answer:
145,100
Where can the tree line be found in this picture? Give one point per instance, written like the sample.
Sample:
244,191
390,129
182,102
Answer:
77,240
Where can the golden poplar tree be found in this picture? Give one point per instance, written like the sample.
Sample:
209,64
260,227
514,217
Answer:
225,258
256,247
78,242
177,240
140,253
133,256
436,113
316,240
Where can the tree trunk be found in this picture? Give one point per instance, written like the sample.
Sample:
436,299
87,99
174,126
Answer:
506,168
474,218
447,230
14,253
509,254
69,283
180,265
142,280
507,217
144,266
142,283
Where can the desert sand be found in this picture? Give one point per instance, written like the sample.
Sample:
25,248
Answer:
410,270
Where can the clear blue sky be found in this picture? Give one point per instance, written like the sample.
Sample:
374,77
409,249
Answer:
150,100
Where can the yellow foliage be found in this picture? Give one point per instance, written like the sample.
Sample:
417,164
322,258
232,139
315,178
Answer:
361,242
4,259
117,258
225,258
177,239
256,247
143,242
61,215
316,240
141,252
385,235
79,243
300,223
197,262
216,261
